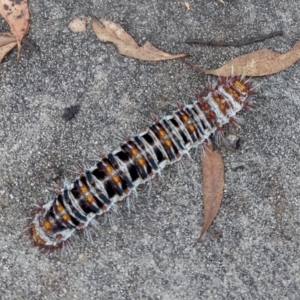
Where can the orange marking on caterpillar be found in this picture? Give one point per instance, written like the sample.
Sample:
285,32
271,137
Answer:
134,152
47,224
89,198
65,217
185,118
109,169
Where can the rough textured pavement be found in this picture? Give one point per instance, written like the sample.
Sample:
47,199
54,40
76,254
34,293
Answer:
252,249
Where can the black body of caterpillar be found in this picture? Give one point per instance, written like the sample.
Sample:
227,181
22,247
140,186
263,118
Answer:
117,175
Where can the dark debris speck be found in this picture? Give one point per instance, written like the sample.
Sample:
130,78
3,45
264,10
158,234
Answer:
71,112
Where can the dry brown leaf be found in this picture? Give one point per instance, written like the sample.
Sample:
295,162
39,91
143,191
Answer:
107,31
16,14
77,25
6,38
213,185
7,42
5,49
259,63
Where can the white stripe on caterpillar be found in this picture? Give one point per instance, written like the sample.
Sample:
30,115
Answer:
117,175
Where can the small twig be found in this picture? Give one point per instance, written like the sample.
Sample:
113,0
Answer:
202,70
33,47
235,44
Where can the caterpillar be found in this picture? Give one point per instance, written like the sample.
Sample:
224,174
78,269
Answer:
115,177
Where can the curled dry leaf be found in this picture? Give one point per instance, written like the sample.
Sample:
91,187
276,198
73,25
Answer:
258,63
77,25
7,42
213,185
107,31
16,14
187,5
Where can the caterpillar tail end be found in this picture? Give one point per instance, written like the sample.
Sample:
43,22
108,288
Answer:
46,234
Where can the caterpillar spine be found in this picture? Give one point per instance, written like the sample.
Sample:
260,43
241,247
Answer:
117,175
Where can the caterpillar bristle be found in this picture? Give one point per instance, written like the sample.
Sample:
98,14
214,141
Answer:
130,203
219,135
138,160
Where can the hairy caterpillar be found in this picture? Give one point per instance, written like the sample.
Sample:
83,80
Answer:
117,175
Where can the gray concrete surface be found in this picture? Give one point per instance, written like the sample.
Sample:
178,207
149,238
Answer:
252,249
